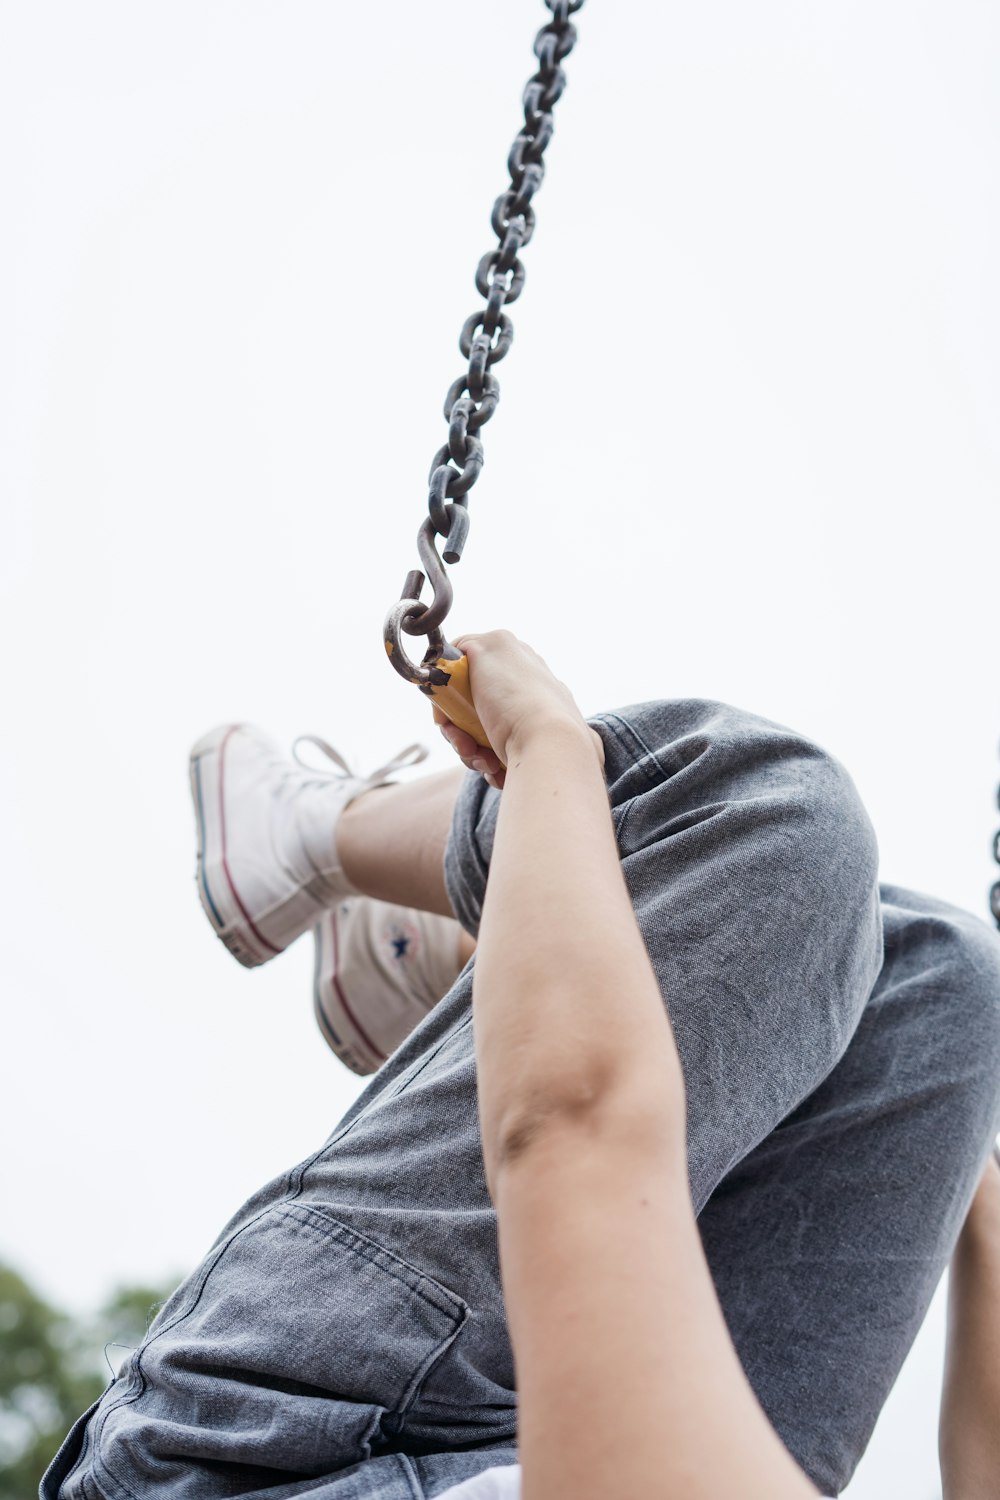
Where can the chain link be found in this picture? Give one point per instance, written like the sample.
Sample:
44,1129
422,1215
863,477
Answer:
485,340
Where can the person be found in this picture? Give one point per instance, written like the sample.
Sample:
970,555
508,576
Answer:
394,964
839,1047
573,1137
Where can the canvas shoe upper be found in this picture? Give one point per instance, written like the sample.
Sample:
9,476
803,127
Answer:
379,970
267,853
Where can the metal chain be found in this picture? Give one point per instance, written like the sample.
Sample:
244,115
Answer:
995,892
485,340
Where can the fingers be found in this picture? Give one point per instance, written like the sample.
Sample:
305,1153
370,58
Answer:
474,756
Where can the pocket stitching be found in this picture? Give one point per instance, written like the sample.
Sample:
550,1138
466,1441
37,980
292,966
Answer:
615,724
438,1296
451,1306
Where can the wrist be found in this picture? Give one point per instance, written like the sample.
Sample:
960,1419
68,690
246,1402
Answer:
560,731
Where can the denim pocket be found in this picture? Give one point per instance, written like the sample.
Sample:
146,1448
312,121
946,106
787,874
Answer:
299,1353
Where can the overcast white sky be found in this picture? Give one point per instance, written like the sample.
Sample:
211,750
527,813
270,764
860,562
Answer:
748,448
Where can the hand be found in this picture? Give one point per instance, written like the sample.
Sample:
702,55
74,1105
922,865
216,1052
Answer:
515,696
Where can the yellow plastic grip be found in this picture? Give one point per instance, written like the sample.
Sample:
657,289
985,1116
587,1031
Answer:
453,696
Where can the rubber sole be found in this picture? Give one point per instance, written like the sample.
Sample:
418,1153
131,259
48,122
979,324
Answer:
217,890
337,1019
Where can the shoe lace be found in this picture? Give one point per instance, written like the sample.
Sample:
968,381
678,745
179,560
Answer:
412,755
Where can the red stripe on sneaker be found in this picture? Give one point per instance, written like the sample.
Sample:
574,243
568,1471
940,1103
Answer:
225,862
362,1033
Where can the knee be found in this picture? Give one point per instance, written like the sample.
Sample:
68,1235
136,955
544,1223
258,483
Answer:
976,963
804,804
810,816
765,828
839,831
697,758
945,964
967,965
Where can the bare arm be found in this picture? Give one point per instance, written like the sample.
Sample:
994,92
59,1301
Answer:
628,1381
969,1437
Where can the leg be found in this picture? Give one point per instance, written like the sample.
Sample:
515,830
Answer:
269,837
752,867
386,957
363,1284
391,841
827,1241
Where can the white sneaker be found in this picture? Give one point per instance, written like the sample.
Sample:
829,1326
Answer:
379,970
267,855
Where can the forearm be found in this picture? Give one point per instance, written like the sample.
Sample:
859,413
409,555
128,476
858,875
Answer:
582,1105
569,1018
583,1126
970,1406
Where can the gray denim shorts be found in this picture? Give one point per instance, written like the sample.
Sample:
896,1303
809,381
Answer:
345,1335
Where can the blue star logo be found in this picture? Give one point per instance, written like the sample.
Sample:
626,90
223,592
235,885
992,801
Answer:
400,945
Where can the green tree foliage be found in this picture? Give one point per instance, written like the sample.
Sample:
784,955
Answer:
52,1367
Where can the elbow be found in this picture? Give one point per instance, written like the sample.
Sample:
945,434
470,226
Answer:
530,1120
597,1111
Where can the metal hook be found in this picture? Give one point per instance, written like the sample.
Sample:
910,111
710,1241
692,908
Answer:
411,617
431,616
428,674
392,634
